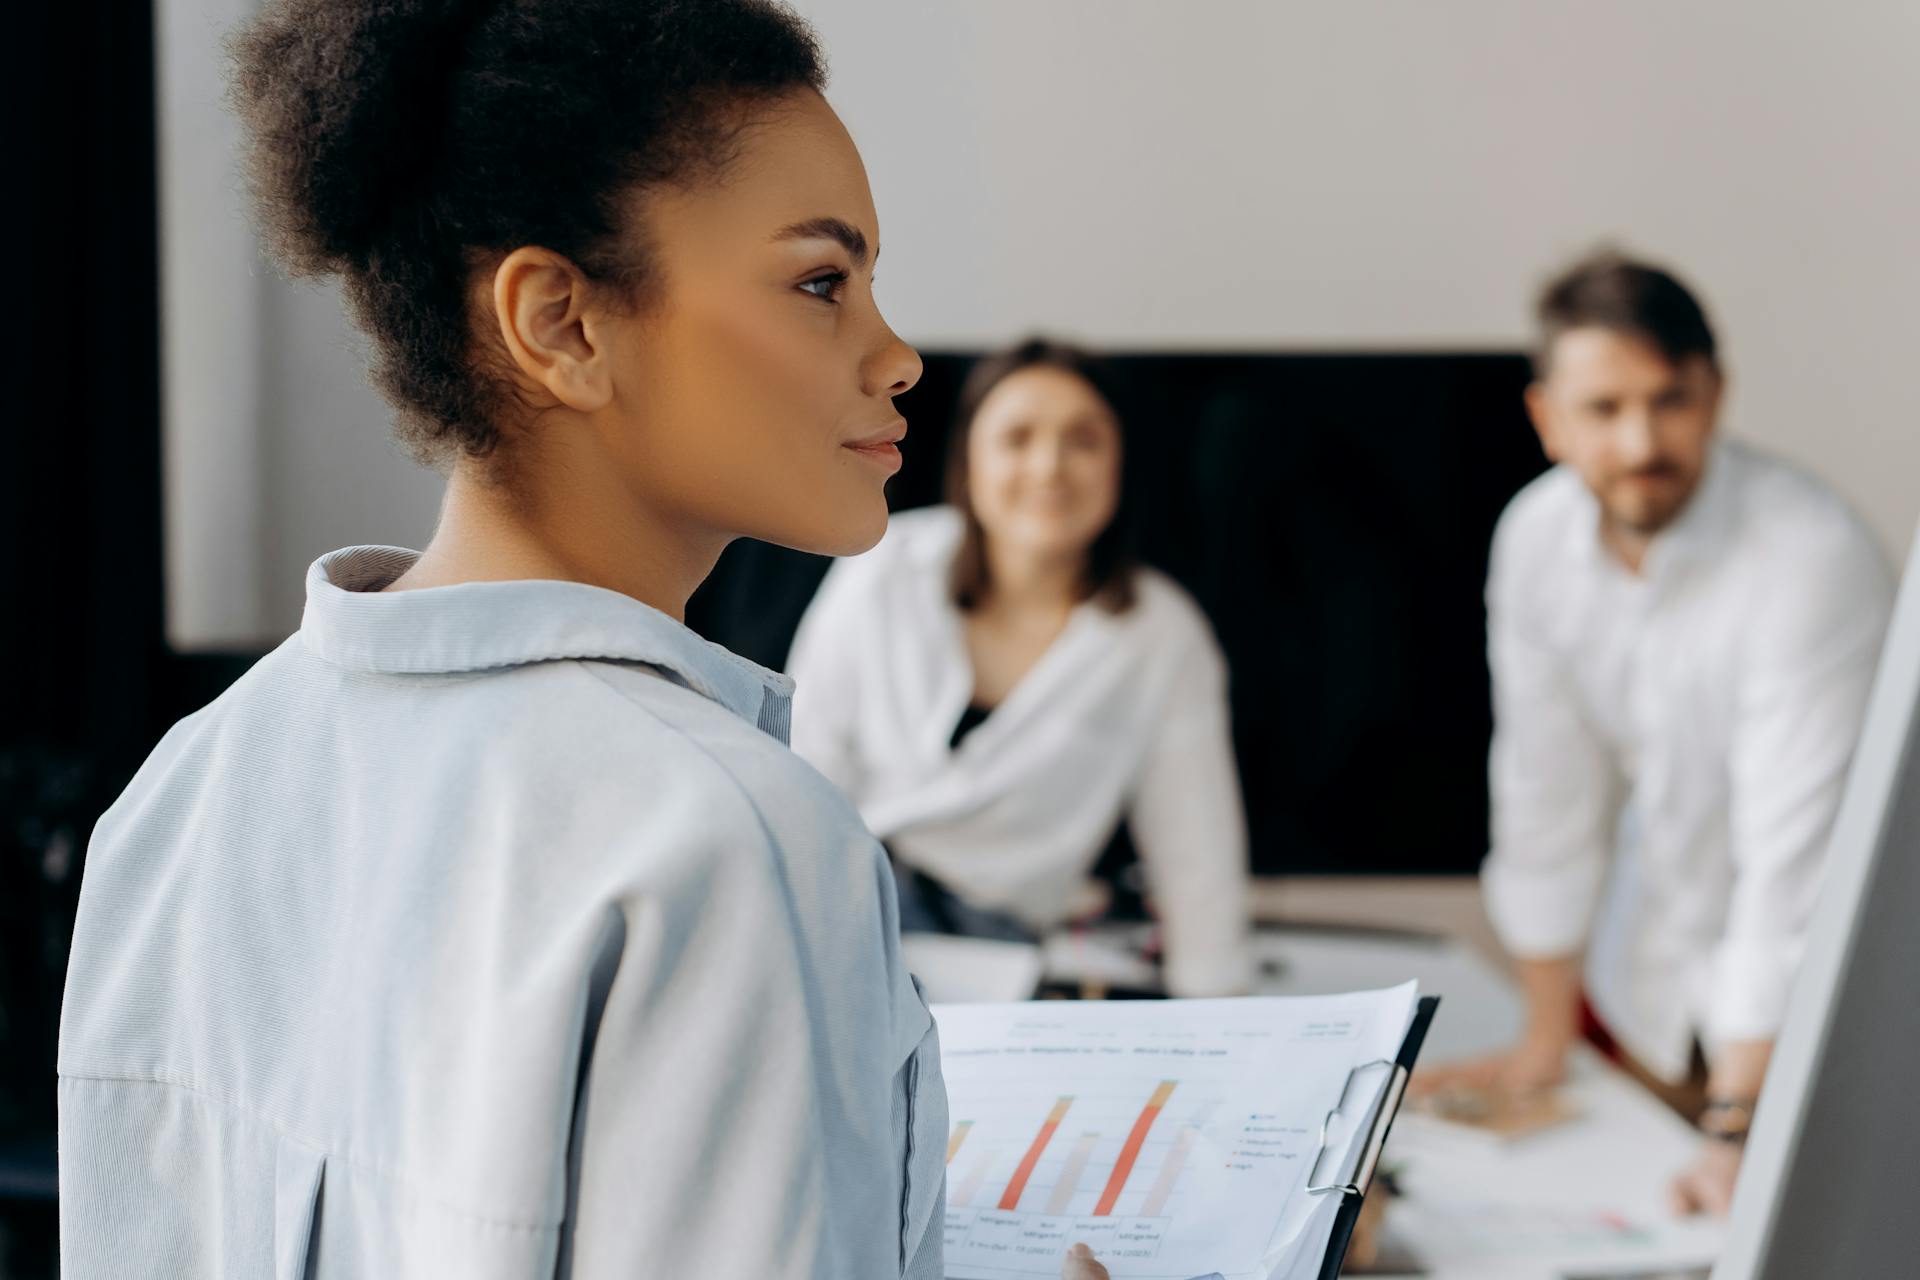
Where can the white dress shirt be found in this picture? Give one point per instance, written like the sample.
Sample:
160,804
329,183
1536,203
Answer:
1125,715
1676,741
490,931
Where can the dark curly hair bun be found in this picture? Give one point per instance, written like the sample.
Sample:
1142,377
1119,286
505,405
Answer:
394,143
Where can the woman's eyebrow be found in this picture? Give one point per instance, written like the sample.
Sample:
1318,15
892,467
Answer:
848,236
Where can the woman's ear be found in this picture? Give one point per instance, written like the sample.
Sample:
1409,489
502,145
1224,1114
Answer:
541,301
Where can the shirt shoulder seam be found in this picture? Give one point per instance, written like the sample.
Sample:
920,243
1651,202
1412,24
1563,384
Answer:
706,753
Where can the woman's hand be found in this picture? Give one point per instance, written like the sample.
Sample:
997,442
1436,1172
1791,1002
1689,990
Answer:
1080,1264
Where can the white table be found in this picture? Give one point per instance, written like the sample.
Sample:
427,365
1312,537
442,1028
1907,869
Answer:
1586,1198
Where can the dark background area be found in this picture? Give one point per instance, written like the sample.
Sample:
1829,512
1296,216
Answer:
1331,513
81,640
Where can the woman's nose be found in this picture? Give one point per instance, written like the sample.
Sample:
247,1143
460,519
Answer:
892,367
1051,459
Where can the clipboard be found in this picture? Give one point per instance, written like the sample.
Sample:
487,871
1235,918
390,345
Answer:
1353,1182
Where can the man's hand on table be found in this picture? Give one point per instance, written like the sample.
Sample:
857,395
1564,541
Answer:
1733,1095
1707,1184
1538,1060
1528,1067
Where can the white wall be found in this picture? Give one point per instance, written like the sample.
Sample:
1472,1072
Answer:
275,447
1259,174
1361,173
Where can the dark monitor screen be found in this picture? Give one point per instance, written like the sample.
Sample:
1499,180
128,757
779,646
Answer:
1332,514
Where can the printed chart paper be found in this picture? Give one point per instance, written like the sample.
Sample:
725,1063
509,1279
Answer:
1176,1138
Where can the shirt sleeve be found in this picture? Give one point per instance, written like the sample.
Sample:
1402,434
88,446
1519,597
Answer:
1553,787
697,1140
1802,690
828,676
1189,825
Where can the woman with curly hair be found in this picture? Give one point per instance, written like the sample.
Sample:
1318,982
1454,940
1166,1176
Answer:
487,928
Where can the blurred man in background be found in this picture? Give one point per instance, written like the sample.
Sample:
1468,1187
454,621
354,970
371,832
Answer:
1682,634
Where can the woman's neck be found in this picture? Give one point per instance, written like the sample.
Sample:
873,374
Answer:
1020,581
567,522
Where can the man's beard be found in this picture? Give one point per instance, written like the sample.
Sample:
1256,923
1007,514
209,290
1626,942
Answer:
1647,515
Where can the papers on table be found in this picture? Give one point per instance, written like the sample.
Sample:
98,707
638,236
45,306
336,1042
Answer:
1175,1138
1588,1197
956,970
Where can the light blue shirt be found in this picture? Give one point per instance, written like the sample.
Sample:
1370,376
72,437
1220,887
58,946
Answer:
492,931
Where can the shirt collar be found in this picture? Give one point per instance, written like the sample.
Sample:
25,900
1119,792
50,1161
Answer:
1701,528
482,626
1696,534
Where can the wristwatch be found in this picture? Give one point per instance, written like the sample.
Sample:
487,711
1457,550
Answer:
1728,1119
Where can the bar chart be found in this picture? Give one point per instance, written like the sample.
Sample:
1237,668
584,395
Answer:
1073,1179
1146,1141
1101,1166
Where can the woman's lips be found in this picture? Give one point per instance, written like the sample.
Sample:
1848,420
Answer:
883,453
882,448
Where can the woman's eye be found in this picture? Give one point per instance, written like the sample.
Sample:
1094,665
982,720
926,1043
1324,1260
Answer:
826,288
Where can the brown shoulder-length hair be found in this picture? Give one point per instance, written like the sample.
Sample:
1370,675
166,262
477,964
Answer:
1108,580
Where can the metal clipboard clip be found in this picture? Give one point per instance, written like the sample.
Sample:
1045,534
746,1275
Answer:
1378,1120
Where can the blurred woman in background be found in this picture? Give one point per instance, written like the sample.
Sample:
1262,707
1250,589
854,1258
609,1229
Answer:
999,684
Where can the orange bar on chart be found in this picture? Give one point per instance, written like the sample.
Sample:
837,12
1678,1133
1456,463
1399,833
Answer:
960,1132
1011,1200
1131,1149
